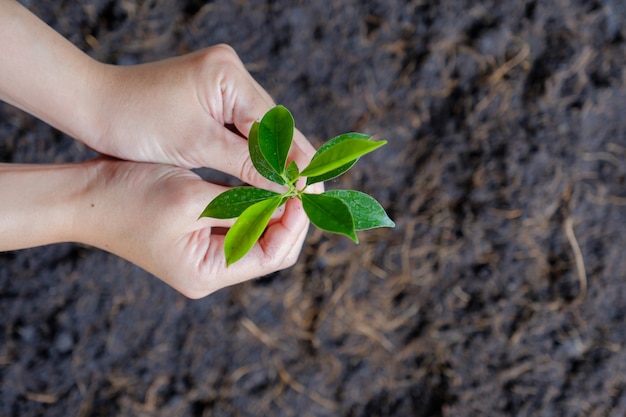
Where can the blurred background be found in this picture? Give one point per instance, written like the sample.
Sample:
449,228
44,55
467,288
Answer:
501,291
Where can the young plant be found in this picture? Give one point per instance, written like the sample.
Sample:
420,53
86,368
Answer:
337,211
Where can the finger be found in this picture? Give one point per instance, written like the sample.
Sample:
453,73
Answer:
249,110
235,157
278,249
248,77
303,143
282,242
227,152
193,199
245,101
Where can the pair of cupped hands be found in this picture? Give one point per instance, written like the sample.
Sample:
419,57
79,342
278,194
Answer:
153,123
140,200
168,117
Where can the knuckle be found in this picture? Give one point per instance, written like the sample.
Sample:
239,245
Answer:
247,171
223,53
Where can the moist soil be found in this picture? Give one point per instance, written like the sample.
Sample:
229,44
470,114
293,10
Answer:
501,292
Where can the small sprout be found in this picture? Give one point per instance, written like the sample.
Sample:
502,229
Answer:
338,211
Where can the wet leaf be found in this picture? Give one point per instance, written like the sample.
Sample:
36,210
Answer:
330,214
258,160
232,203
366,211
339,155
338,171
248,228
292,173
275,137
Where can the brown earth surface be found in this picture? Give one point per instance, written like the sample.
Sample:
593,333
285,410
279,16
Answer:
501,292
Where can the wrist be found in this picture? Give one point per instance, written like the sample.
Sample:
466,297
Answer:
46,75
39,203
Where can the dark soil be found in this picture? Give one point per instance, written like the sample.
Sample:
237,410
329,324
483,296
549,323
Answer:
501,292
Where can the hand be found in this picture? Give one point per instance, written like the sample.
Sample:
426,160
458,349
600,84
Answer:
177,111
148,214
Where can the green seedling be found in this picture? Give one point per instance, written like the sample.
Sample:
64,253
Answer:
338,211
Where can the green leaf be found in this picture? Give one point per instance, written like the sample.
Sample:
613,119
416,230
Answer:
258,160
233,202
366,211
339,155
338,171
330,214
275,136
292,173
248,228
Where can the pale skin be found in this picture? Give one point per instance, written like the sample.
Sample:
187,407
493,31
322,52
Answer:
155,121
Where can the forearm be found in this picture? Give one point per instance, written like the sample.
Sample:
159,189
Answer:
44,74
38,203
